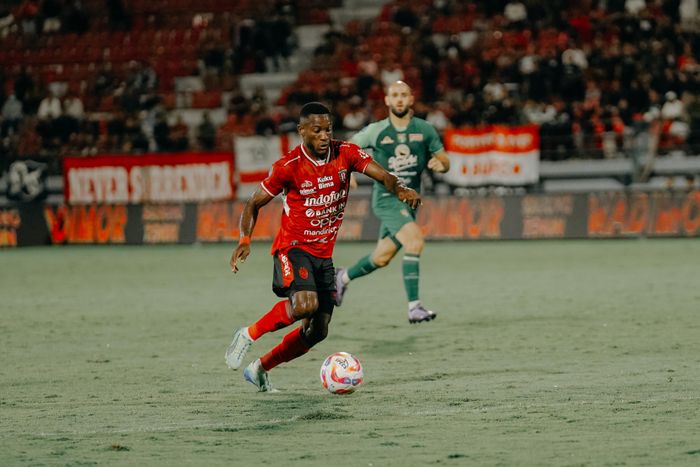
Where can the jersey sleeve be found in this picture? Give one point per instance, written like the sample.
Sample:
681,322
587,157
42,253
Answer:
363,138
358,160
276,180
432,140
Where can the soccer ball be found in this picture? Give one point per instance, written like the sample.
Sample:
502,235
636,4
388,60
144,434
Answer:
341,373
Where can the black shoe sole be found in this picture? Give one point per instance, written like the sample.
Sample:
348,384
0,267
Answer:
429,318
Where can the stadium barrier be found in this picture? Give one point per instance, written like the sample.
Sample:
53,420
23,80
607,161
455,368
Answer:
589,215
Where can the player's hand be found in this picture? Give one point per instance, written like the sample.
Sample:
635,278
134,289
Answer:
409,196
239,254
436,165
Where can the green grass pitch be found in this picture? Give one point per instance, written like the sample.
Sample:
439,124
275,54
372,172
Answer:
543,353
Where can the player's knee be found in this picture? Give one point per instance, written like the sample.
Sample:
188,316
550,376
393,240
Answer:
414,246
304,304
381,261
316,333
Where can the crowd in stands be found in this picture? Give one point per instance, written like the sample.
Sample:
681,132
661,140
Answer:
592,74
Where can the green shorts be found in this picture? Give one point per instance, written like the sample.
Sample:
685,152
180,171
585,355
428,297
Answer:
392,213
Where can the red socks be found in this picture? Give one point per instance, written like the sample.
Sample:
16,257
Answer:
278,317
291,347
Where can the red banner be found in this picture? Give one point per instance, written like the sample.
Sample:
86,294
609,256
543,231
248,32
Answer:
151,178
493,155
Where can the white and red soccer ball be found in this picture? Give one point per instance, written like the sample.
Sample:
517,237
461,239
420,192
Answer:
341,373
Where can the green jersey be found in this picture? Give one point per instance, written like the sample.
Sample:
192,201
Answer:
404,153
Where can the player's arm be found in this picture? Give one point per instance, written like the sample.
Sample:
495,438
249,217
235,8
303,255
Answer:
440,162
393,184
248,219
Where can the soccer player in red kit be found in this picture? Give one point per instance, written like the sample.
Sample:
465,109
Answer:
313,179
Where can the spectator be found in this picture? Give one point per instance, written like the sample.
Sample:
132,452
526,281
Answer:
356,117
391,73
24,83
437,116
7,20
673,108
161,133
179,135
116,132
73,106
516,13
27,14
264,124
11,115
50,108
135,141
50,12
206,133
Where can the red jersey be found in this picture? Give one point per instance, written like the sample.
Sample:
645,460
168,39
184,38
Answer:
315,193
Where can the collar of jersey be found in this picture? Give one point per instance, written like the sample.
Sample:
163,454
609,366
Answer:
313,160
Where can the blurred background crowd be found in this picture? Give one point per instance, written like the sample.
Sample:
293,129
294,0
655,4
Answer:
82,77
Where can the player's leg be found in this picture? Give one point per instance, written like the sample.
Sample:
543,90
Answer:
393,214
314,329
288,277
306,304
293,345
382,254
411,237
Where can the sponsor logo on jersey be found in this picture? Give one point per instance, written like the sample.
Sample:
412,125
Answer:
402,137
307,184
327,178
303,273
326,221
415,137
326,200
330,230
387,140
307,191
325,185
324,212
402,159
287,274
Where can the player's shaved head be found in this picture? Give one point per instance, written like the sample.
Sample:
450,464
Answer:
399,85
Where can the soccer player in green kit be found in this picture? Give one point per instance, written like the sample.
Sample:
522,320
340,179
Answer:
405,146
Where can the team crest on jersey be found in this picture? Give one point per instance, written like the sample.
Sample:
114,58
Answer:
402,137
415,137
303,273
342,175
387,140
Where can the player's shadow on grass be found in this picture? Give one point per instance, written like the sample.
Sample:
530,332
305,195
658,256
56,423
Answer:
386,347
287,408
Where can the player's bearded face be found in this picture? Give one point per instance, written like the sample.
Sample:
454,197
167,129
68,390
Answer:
399,100
399,112
316,131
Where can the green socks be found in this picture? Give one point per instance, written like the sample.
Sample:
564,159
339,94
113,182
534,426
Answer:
361,268
411,273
